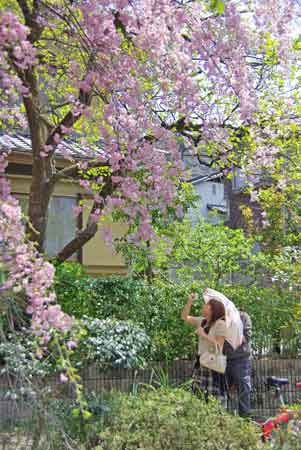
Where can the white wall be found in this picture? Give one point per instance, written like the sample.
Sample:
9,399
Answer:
210,193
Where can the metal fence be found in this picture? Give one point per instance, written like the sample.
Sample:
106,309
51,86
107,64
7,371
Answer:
177,373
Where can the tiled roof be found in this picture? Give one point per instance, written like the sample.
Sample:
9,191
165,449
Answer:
16,142
22,144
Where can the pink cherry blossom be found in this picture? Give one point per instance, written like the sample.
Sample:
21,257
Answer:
63,378
26,270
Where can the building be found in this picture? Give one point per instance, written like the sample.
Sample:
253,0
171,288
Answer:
96,256
209,186
237,197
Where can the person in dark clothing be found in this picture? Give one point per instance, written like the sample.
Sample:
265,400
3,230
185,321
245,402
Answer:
238,371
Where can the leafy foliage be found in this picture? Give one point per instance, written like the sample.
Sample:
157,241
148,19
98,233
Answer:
20,364
265,284
81,295
176,420
156,307
112,343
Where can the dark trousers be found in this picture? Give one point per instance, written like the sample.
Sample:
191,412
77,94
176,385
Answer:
238,374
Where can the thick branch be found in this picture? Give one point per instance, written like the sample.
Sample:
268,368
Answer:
85,235
70,171
68,121
25,10
30,18
78,242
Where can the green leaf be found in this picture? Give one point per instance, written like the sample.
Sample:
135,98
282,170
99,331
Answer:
87,414
75,412
218,6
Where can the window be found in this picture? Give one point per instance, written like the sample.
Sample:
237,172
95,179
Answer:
61,227
62,224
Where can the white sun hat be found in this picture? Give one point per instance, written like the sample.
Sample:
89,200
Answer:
233,321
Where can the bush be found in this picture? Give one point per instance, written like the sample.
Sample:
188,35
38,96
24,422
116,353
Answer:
56,427
156,308
20,365
81,295
112,343
272,313
75,426
176,420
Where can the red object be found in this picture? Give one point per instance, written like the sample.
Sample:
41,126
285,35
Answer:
271,424
298,385
282,418
267,427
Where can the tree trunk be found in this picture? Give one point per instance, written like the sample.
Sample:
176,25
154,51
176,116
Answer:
41,187
40,194
42,133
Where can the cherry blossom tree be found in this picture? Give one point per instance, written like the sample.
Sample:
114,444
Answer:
127,80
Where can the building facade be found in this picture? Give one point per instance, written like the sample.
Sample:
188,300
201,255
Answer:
209,185
96,256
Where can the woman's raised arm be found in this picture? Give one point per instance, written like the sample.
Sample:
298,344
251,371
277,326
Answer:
195,321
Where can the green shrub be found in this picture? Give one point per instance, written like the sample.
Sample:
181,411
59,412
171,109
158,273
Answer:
176,420
56,427
81,295
79,429
20,365
233,268
156,308
112,343
272,317
74,290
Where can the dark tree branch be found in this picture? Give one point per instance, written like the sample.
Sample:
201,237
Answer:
71,170
80,240
25,10
30,17
85,235
68,122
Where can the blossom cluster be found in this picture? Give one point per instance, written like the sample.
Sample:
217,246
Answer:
172,61
16,55
24,269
